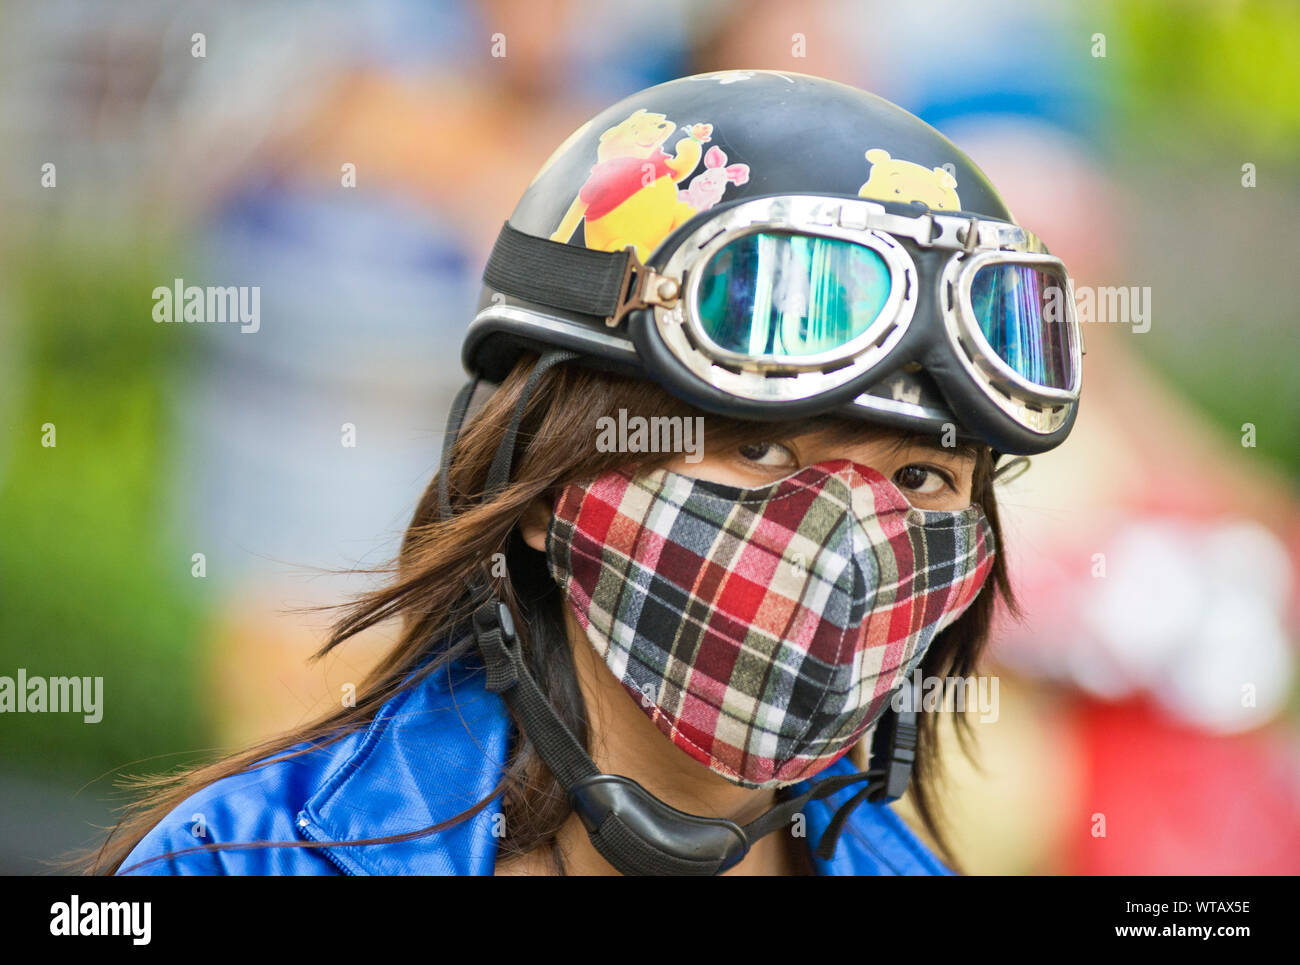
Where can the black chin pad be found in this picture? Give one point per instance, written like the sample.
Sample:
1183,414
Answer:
640,835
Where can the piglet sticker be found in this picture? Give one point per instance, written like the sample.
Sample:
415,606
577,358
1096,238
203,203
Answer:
707,187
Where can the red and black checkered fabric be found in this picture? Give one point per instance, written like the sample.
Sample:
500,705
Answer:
763,629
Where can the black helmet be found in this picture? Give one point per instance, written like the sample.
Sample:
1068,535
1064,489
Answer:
772,245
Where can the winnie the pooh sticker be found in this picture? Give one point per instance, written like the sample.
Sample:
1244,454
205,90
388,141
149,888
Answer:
897,180
631,196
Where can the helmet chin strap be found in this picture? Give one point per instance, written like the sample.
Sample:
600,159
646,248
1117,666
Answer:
636,832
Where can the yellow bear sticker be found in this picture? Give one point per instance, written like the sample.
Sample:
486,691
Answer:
631,196
897,180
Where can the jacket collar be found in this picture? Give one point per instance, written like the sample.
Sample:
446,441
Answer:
437,749
432,752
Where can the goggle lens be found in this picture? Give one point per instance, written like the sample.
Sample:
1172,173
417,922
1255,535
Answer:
787,295
1025,315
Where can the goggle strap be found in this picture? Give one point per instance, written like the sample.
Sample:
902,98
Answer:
567,277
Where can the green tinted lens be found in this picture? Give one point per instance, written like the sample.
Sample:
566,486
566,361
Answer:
790,295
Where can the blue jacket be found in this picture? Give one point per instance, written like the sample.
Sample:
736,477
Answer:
431,752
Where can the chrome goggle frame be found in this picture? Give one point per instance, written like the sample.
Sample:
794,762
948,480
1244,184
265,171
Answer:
673,294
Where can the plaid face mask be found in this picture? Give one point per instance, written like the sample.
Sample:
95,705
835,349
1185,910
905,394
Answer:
763,630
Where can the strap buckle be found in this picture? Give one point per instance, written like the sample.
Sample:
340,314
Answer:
642,287
949,232
494,632
893,751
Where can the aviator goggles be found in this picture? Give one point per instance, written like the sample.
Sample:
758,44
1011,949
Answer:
789,306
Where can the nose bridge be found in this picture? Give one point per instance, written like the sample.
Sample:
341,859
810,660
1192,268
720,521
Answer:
875,516
869,493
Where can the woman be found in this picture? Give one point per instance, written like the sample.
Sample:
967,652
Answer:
732,497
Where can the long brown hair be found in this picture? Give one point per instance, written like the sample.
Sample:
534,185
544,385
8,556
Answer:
426,589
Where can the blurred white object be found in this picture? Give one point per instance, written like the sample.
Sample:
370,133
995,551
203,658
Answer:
1190,613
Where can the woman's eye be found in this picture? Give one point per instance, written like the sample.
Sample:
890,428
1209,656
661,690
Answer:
767,454
924,480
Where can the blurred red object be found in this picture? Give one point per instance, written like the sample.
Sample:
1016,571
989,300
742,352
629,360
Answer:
1179,801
